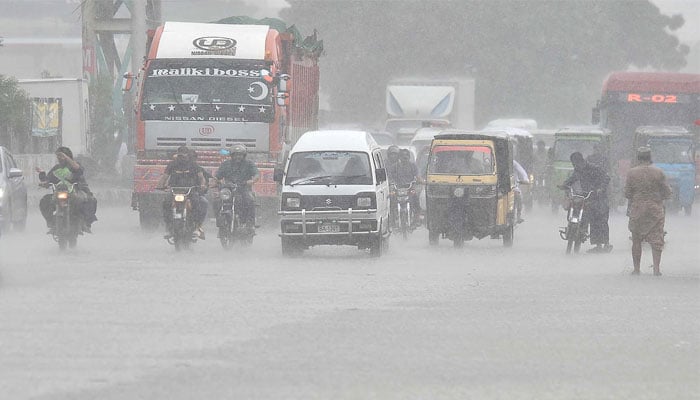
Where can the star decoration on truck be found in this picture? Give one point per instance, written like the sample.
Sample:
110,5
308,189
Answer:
152,107
171,108
261,109
193,107
241,109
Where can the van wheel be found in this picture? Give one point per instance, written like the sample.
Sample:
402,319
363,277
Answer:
291,248
377,247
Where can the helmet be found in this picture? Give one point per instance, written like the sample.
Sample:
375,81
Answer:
393,149
238,149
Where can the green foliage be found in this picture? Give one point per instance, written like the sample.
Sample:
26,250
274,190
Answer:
541,59
104,123
14,114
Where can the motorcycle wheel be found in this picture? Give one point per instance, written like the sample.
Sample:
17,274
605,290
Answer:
571,236
225,237
404,223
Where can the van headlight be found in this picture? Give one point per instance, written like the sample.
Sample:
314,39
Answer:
458,191
293,202
364,202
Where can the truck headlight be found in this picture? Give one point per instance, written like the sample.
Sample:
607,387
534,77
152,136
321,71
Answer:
293,202
365,202
458,192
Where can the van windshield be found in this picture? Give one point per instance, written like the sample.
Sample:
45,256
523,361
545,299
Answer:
329,168
461,160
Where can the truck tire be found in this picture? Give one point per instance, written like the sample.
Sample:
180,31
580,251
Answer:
148,220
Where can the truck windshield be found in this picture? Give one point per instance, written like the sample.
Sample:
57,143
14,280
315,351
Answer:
666,152
461,160
564,147
329,167
207,91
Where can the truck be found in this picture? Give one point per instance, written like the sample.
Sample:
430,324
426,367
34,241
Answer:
209,86
417,103
633,99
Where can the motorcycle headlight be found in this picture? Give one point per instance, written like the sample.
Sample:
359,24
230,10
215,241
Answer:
225,194
458,191
293,202
62,195
2,192
364,202
179,197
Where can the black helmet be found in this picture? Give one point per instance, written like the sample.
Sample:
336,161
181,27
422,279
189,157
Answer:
238,149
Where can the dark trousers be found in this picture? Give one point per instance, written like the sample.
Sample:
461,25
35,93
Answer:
84,204
600,231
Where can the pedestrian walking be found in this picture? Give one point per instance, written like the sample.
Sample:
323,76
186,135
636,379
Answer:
646,189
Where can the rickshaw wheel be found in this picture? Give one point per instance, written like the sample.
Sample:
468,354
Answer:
433,237
508,236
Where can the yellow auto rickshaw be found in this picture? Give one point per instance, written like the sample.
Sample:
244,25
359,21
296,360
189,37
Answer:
470,187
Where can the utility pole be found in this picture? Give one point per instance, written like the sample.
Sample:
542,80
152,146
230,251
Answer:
104,52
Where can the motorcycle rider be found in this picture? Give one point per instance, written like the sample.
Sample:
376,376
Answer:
183,172
69,171
392,162
402,173
202,194
243,172
593,178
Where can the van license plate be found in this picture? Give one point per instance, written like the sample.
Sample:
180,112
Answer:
328,228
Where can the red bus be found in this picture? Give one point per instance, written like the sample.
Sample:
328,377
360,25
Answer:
633,99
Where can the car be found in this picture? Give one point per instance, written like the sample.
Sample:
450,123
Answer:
13,193
334,192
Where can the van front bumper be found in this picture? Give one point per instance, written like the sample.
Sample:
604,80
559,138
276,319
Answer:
350,227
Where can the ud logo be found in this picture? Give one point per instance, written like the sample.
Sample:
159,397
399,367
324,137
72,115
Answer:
206,130
329,202
214,45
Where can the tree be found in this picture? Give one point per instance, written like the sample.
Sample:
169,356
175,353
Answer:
14,115
540,59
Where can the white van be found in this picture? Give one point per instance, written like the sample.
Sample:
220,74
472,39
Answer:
334,191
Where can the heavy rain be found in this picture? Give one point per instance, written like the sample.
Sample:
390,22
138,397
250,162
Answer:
315,199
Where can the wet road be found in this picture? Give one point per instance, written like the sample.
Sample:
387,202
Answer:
124,316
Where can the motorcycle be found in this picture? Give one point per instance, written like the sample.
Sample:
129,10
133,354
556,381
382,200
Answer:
182,226
576,231
67,223
228,220
401,208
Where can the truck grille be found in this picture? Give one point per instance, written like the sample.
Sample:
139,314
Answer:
204,143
